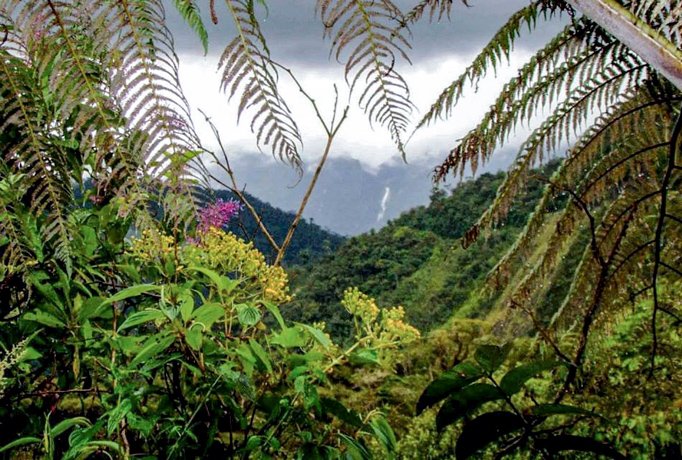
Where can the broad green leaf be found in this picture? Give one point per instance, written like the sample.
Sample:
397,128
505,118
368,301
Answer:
565,442
485,429
194,336
153,346
274,309
262,356
20,442
208,314
317,334
43,318
69,423
186,300
355,448
514,380
132,291
384,434
247,315
546,410
141,317
449,382
224,284
89,307
290,337
363,357
338,410
465,401
491,357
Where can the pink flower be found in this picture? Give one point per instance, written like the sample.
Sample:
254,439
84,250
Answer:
218,214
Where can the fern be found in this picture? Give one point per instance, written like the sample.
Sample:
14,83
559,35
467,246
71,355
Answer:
620,172
361,30
246,66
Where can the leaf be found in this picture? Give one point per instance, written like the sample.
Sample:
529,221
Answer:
290,337
152,347
190,13
186,300
491,357
465,401
64,425
224,284
20,442
513,381
132,291
544,410
274,309
449,382
338,410
356,449
208,314
485,429
247,315
365,356
141,317
317,334
565,442
43,318
384,434
194,336
261,355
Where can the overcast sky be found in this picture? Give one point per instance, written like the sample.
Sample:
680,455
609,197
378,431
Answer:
295,36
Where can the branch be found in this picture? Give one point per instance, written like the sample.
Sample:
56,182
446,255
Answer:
658,238
659,52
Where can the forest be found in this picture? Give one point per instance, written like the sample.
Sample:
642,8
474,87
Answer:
151,308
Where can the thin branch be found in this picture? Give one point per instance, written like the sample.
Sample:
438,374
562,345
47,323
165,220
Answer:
234,188
658,238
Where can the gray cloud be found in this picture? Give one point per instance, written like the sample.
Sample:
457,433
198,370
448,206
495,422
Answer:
295,34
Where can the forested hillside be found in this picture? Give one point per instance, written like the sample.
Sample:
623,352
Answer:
417,260
309,243
532,314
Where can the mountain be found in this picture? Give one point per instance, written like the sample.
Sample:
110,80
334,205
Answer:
416,261
309,243
349,198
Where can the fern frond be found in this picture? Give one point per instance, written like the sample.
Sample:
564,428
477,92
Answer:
192,16
498,50
361,30
246,67
441,7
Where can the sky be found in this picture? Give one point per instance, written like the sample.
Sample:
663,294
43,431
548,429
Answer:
440,52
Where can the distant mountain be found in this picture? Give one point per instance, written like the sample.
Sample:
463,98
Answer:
348,199
415,260
309,243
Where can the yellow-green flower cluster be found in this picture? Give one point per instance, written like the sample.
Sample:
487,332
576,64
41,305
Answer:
394,328
226,253
151,246
361,305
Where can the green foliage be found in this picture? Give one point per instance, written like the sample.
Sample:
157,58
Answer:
465,396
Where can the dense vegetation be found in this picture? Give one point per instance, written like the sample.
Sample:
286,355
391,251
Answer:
136,324
416,260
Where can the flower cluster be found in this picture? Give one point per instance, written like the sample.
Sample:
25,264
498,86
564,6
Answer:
226,253
218,214
151,246
394,328
360,304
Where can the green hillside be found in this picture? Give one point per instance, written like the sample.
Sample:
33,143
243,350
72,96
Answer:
416,260
309,243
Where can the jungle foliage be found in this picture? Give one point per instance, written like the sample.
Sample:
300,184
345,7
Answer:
134,324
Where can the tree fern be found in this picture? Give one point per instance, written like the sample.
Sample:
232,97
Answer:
362,31
245,65
620,173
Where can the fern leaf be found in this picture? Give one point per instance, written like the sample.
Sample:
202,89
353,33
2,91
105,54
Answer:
246,67
360,29
191,14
